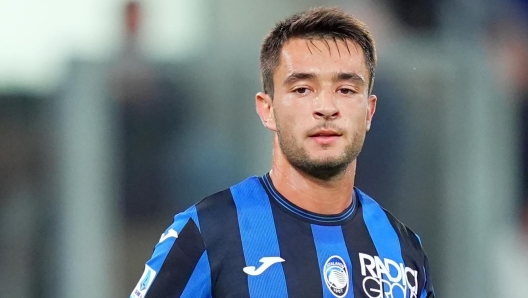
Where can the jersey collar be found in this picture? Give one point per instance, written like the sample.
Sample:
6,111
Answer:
321,219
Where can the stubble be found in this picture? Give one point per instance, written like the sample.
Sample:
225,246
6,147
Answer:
325,168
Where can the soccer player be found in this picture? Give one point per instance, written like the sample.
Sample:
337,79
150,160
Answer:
303,229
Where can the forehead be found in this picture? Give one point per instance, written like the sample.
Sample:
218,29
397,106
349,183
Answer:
319,55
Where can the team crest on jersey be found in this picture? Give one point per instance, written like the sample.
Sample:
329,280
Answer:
336,276
144,283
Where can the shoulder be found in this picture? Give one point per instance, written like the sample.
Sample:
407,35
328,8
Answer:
215,207
223,201
407,237
209,206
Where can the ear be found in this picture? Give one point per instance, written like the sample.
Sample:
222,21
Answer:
264,106
371,109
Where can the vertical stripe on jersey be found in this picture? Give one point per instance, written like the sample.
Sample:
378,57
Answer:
179,261
162,248
297,248
199,284
424,292
383,235
357,239
259,238
221,235
428,287
413,255
329,242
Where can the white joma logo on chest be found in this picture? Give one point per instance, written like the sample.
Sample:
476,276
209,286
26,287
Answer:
266,263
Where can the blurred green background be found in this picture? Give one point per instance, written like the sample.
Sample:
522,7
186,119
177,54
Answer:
116,115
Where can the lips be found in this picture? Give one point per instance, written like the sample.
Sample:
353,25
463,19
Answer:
325,136
325,133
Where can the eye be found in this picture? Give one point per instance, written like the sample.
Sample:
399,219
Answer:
346,91
301,90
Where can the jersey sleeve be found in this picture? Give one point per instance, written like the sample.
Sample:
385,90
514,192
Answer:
428,290
179,266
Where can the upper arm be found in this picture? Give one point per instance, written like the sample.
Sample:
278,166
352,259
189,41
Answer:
428,290
179,266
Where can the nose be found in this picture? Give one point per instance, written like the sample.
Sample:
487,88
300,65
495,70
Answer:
325,107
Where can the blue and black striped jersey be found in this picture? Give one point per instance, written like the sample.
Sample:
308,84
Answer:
249,241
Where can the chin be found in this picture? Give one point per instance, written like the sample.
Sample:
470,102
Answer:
327,159
327,154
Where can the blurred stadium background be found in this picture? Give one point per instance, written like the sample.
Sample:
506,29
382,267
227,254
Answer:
116,115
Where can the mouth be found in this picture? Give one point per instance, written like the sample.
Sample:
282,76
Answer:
325,136
326,133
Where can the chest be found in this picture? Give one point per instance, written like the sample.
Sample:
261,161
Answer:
307,261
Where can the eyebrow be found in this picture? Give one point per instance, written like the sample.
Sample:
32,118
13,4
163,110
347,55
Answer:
342,76
298,76
349,76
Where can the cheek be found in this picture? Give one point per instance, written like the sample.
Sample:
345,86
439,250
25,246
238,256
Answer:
292,115
287,102
288,123
356,116
291,126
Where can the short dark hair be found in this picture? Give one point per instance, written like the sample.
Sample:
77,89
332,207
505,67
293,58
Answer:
316,23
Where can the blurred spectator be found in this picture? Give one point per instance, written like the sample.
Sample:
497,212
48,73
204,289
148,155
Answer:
23,207
151,108
508,45
152,111
420,15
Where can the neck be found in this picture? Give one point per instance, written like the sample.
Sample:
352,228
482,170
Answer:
309,193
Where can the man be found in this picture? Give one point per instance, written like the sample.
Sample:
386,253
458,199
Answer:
302,230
